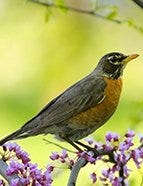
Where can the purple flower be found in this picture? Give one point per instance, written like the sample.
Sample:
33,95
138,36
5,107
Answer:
88,156
107,147
49,168
20,154
32,166
2,183
141,138
47,175
12,147
109,176
125,145
105,173
121,158
54,156
89,141
25,181
118,157
15,182
130,134
117,181
71,163
28,173
14,167
97,145
112,137
115,168
63,156
81,154
141,152
126,171
23,156
136,156
93,176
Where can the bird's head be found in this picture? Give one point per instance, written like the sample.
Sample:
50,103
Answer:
112,64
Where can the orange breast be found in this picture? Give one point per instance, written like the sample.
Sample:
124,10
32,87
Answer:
98,115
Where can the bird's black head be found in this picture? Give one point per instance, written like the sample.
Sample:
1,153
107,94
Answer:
112,64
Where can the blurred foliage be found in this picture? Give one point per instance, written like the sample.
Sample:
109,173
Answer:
108,10
39,59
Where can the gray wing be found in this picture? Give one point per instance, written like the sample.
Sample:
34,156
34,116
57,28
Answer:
86,93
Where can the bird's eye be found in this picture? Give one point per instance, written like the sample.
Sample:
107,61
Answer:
114,59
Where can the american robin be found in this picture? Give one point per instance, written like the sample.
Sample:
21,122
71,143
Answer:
83,107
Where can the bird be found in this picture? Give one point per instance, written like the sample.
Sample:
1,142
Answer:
83,107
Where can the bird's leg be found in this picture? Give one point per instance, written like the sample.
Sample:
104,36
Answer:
73,144
88,147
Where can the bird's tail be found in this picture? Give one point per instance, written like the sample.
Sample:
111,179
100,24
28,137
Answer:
29,129
19,134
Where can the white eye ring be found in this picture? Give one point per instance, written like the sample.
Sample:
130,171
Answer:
113,57
110,59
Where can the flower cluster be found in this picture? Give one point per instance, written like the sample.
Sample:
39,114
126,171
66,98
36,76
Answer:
63,158
10,148
119,154
20,164
115,153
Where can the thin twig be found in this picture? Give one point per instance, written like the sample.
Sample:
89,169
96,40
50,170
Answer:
89,12
121,174
60,146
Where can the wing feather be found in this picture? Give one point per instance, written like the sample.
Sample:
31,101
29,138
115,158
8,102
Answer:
85,94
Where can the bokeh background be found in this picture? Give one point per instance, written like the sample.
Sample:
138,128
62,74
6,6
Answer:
45,50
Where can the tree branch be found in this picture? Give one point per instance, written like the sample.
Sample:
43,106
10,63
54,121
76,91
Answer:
88,12
75,171
81,162
139,3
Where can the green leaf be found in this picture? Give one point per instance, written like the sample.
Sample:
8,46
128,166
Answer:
62,5
60,2
113,12
48,14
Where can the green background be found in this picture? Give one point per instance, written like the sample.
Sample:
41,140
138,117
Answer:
43,51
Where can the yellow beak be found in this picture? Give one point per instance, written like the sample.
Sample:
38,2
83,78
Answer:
130,57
